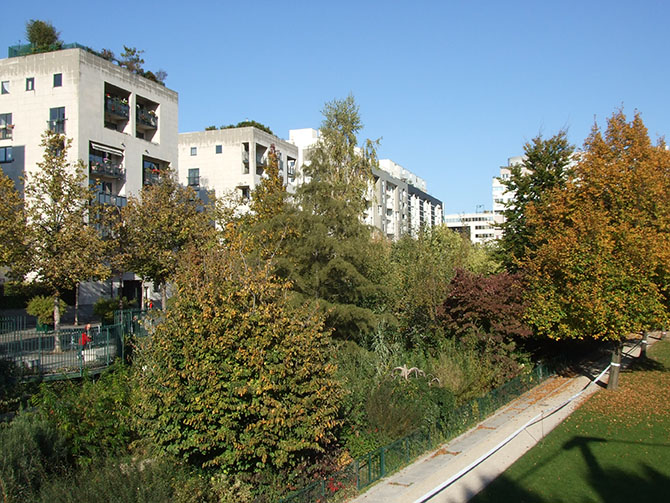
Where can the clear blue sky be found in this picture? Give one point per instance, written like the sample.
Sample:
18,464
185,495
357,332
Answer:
452,88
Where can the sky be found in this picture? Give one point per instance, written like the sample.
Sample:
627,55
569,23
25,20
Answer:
452,89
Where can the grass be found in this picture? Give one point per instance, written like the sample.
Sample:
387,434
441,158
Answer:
614,448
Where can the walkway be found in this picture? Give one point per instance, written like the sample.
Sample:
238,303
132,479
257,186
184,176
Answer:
527,420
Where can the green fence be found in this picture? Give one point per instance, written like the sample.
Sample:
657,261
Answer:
390,458
49,354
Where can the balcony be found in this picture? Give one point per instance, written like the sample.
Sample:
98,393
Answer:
111,199
56,126
106,167
117,107
146,118
6,131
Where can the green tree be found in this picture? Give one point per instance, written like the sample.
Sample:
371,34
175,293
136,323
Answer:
600,263
236,377
63,247
43,36
131,58
156,226
333,255
12,223
546,165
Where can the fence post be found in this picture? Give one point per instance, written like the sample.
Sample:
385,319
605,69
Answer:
645,343
382,462
369,467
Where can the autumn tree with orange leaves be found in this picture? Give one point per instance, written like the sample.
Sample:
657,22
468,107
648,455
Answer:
600,265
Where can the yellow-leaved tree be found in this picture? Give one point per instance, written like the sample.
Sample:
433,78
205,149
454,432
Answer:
600,261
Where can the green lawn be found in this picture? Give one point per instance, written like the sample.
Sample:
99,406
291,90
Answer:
615,448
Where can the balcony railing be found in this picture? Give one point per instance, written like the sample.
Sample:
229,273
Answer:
6,131
111,199
147,118
117,106
106,167
57,126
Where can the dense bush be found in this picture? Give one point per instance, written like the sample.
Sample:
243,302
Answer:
31,450
42,307
104,308
94,416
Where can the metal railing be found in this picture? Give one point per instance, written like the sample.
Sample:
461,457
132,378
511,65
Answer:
65,354
391,457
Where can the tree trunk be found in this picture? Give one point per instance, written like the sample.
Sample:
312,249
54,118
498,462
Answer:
76,304
57,347
613,382
164,296
645,343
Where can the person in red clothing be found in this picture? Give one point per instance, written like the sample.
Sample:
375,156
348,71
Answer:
85,338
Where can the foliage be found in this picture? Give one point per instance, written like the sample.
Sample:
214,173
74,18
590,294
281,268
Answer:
42,35
546,165
12,223
42,307
63,247
423,267
236,377
93,417
333,256
248,123
131,59
156,226
31,449
104,308
490,309
602,244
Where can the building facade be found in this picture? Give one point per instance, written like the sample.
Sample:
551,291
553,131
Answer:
479,227
123,126
233,160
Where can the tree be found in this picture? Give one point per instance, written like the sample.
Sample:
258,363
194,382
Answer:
131,58
157,226
12,224
42,35
333,255
601,260
236,377
546,165
64,248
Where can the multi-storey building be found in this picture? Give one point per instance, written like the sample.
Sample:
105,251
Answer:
479,227
397,199
233,160
123,126
501,196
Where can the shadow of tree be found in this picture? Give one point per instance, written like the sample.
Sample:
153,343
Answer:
613,485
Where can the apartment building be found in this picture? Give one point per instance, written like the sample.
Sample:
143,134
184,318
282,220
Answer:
479,227
123,126
233,160
397,199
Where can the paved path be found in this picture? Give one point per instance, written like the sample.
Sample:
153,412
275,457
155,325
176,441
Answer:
418,481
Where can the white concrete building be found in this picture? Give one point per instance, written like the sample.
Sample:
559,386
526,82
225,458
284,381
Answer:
500,195
233,160
123,126
479,227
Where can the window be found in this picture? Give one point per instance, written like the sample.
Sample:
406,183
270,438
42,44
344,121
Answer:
6,126
245,193
219,149
57,120
6,154
194,150
4,87
58,79
30,84
194,177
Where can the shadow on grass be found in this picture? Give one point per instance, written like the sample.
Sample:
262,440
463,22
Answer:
612,485
646,364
